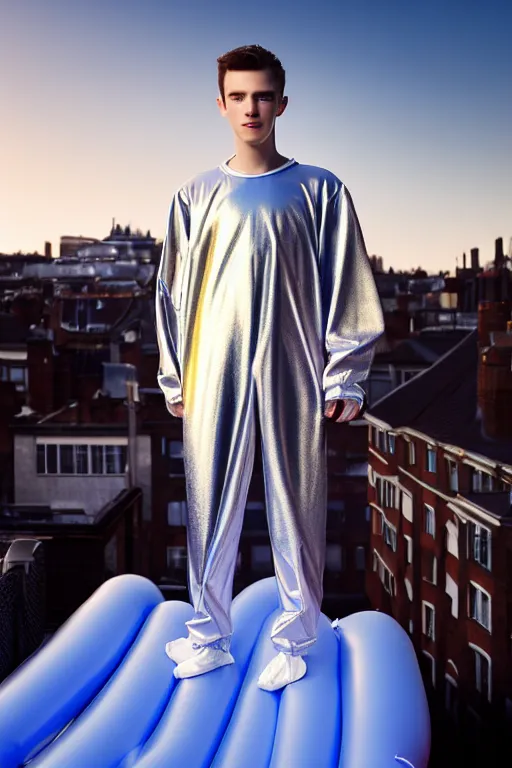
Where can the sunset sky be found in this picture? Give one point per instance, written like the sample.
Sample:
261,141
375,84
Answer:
108,106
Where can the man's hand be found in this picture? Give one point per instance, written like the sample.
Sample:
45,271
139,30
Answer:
176,409
350,409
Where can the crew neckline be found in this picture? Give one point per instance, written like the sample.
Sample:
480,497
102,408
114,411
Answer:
231,172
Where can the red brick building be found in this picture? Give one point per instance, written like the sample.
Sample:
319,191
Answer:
440,485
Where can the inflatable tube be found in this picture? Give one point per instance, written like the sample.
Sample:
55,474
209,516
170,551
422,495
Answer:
249,738
58,682
379,675
104,687
204,705
316,705
117,723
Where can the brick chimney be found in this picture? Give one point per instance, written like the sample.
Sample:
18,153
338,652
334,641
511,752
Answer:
495,342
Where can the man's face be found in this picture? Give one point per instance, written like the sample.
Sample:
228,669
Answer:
252,104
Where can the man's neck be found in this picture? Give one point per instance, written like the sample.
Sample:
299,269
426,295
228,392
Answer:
256,160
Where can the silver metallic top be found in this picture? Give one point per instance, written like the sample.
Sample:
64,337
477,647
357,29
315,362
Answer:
279,253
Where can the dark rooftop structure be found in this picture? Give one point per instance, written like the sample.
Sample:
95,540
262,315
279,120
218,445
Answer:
442,403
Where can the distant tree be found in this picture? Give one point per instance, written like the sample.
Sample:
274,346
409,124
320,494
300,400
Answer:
391,271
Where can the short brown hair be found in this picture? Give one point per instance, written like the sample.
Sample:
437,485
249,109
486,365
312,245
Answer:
250,57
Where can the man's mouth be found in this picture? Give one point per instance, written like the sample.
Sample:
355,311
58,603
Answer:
252,125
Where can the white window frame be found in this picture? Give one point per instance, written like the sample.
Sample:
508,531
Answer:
412,453
430,512
453,474
82,444
452,590
387,528
380,567
452,538
424,606
480,652
474,536
480,591
391,442
431,578
408,549
431,452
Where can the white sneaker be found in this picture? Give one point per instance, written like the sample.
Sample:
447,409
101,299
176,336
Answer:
204,660
282,670
180,650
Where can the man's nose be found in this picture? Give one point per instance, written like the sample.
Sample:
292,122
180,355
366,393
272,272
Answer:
252,109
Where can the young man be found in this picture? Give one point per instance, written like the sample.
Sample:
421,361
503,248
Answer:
266,308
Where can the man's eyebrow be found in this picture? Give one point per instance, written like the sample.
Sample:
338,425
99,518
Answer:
256,93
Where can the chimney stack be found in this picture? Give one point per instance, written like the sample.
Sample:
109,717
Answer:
463,261
499,256
475,263
48,251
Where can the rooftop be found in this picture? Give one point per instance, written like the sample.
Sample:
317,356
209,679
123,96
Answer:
441,403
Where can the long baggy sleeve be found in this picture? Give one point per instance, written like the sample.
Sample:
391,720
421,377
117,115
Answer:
168,297
353,319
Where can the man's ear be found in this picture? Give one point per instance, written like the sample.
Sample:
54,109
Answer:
221,105
282,106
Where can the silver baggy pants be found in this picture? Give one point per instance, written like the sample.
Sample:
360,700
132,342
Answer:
219,442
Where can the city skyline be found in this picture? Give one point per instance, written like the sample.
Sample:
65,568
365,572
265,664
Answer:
111,108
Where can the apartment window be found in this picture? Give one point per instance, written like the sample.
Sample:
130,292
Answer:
177,513
479,544
452,590
378,522
261,558
391,442
386,577
408,549
429,667
382,440
451,696
81,459
16,375
480,605
430,520
389,534
387,493
453,475
429,618
334,559
175,449
360,558
431,459
114,460
412,453
481,482
452,538
482,671
429,567
335,513
177,562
